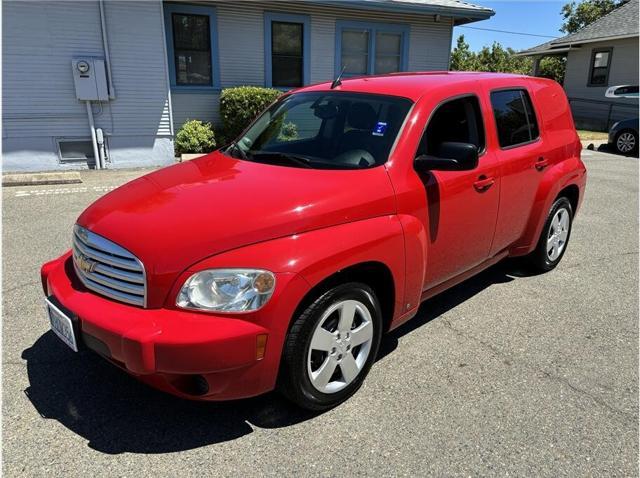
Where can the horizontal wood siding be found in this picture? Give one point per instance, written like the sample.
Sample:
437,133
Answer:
624,70
39,101
241,40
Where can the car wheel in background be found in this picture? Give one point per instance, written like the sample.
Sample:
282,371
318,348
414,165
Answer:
331,347
626,142
554,237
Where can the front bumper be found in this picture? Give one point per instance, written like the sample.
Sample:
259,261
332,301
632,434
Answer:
167,348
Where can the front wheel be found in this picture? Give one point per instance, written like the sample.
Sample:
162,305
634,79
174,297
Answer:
554,237
331,347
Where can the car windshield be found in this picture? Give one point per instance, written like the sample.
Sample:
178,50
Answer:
324,130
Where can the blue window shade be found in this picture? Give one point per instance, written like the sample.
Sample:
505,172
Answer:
193,52
367,48
287,66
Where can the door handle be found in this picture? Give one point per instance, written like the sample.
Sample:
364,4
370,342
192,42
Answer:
541,163
483,183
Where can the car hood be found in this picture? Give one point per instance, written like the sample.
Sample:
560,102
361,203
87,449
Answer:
179,215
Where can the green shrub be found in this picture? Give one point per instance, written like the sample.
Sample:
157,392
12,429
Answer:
288,132
195,137
241,105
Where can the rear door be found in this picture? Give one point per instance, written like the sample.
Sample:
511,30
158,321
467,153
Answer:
514,135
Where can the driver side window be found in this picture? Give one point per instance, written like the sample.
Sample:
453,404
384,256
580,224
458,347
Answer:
458,120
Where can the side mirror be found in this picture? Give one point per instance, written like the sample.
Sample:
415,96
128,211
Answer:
451,156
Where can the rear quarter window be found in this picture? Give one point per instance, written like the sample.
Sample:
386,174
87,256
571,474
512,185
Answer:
515,119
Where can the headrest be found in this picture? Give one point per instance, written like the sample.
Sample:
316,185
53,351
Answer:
362,116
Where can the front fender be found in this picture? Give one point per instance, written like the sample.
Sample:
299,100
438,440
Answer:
300,262
561,175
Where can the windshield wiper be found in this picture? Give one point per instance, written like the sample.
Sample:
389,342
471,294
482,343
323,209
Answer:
236,147
291,157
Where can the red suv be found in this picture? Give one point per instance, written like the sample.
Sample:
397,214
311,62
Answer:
281,259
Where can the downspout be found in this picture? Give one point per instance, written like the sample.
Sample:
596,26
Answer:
166,70
105,46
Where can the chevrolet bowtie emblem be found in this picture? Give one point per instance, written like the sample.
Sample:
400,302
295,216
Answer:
85,264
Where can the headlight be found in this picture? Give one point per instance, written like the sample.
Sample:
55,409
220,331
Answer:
227,290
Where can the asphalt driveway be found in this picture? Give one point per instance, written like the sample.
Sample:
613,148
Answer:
506,374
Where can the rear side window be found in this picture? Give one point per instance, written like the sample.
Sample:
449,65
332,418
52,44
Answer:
515,119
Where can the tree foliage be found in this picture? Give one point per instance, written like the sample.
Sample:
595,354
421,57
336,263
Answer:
578,15
495,58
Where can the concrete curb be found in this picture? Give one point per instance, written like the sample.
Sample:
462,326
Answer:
593,143
36,179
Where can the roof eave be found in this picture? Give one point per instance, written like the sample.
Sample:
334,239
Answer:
460,15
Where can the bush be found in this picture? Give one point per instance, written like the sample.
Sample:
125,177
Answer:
241,105
195,137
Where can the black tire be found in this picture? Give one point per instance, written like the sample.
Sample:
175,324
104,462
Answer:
633,151
539,259
294,381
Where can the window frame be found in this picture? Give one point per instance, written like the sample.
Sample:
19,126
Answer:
373,28
449,99
594,52
305,20
169,10
533,110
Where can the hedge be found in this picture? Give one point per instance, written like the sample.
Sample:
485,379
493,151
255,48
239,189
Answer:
195,137
239,106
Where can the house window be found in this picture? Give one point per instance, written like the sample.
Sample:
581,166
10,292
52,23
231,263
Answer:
600,63
515,119
191,46
371,48
286,50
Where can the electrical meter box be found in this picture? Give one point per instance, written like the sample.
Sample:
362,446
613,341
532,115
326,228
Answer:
90,79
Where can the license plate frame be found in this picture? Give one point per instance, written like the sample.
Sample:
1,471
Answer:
62,325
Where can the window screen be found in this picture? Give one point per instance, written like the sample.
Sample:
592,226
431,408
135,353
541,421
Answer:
192,49
355,52
286,54
515,119
388,51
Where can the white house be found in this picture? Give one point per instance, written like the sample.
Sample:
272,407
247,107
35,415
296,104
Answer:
137,70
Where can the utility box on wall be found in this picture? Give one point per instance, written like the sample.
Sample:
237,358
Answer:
90,79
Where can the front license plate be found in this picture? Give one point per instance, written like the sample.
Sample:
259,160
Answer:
62,325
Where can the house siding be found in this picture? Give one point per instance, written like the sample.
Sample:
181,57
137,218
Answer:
590,108
241,42
40,105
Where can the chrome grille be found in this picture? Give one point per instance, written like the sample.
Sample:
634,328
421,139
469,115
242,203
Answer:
107,268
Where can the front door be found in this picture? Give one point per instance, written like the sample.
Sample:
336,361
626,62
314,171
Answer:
462,206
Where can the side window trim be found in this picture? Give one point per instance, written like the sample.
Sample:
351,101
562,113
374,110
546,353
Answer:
448,100
305,20
169,9
523,91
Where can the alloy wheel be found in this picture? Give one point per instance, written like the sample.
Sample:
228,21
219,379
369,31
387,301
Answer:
626,142
340,346
558,234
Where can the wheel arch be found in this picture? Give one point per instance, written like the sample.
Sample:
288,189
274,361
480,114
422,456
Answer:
375,274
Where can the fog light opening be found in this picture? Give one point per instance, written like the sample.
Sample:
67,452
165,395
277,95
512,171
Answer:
195,385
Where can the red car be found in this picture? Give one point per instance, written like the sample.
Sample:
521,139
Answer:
280,260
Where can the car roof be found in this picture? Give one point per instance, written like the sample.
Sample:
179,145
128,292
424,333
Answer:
410,85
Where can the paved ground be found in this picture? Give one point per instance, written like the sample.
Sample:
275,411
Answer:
503,375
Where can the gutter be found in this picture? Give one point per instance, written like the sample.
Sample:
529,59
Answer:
460,15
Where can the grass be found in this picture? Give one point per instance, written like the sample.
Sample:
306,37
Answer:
592,135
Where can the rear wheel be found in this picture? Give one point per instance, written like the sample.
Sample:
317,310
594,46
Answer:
331,347
626,142
554,237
